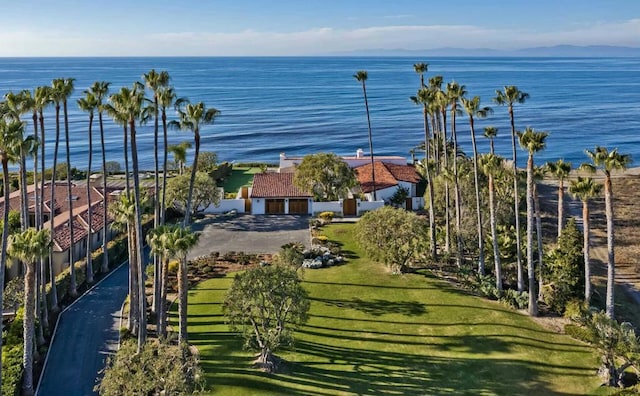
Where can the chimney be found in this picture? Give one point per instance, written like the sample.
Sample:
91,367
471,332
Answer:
359,153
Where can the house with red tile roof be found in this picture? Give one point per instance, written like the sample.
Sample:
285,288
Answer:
275,193
389,177
61,233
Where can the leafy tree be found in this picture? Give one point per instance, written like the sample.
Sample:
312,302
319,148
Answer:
14,222
392,236
618,345
205,192
111,167
565,269
158,369
325,175
608,161
291,254
491,164
207,162
399,197
265,305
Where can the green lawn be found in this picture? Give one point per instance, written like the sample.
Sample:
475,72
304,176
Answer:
240,176
373,333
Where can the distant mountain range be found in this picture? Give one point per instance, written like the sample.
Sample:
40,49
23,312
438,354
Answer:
598,51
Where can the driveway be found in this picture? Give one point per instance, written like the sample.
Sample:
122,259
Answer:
248,233
87,333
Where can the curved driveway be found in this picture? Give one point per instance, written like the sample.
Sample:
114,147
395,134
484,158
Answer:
87,333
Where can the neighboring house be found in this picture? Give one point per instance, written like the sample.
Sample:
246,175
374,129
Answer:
61,234
275,193
288,164
389,177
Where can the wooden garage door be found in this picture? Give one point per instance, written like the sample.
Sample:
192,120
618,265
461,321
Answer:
298,206
274,206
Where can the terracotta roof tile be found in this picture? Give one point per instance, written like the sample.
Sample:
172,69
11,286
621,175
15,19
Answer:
387,175
275,185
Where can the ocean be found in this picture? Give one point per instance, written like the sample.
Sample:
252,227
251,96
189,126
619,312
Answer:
302,105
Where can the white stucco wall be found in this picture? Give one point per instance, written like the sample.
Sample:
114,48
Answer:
332,206
257,206
226,205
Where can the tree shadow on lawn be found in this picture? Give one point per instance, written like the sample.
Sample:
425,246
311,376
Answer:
377,307
331,369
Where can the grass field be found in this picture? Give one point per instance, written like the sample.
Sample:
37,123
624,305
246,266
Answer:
373,333
240,176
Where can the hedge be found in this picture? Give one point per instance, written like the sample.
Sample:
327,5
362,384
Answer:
12,357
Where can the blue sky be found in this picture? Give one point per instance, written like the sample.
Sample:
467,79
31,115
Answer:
306,27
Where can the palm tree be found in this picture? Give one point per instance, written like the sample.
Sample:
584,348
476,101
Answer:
28,247
191,117
538,175
492,164
608,161
560,170
166,98
490,133
132,106
473,110
455,92
89,104
9,131
100,89
123,213
179,152
584,189
116,110
183,241
162,243
155,81
533,142
442,102
64,89
423,97
509,97
362,76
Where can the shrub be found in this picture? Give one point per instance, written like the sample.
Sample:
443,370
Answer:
515,299
326,217
173,266
12,356
578,332
13,293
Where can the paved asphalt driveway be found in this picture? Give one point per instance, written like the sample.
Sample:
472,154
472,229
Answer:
87,333
249,234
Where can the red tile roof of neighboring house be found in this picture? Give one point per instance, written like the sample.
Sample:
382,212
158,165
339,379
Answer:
387,175
276,185
62,234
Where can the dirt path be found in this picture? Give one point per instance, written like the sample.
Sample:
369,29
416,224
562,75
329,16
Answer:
626,188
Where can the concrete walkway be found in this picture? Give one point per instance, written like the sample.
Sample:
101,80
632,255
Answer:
87,332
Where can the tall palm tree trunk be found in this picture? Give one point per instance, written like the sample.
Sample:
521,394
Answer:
142,333
494,233
28,329
41,302
536,202
478,202
560,206
163,298
24,198
611,270
432,219
89,264
5,235
192,180
456,190
183,287
533,305
72,268
165,166
52,205
373,171
43,268
516,202
586,240
156,213
133,317
105,216
126,162
447,200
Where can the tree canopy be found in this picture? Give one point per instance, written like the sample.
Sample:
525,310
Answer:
325,175
392,236
265,305
205,192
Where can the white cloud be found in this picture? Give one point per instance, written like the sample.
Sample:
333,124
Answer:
313,41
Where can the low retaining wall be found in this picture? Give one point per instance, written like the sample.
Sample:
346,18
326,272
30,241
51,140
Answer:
226,205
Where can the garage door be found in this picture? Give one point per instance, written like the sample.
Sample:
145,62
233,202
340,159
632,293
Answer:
298,206
274,206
